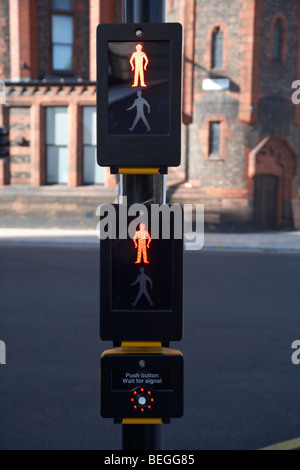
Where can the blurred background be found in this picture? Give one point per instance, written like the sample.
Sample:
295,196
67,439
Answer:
240,136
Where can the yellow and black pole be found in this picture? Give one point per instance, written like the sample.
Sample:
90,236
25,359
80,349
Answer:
141,258
142,187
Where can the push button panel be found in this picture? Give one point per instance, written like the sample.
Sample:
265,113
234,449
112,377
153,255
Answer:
142,385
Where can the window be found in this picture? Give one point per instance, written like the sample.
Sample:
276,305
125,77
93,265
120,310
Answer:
62,5
92,172
57,145
62,36
277,40
214,138
217,49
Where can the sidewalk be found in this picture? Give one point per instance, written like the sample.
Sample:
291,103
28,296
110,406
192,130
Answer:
278,241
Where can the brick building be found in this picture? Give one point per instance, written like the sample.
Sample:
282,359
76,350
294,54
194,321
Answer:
48,63
241,132
241,143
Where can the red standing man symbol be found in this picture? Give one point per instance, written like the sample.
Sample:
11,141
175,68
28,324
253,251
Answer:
139,62
142,240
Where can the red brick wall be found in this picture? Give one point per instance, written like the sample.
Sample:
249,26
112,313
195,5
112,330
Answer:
14,31
24,13
250,30
101,11
188,61
23,38
4,40
20,137
44,38
81,39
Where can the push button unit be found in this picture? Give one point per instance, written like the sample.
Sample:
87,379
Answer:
142,399
136,385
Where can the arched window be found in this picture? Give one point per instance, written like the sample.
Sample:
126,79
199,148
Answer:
217,49
277,41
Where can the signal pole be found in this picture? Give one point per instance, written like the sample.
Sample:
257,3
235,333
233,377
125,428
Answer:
143,189
138,137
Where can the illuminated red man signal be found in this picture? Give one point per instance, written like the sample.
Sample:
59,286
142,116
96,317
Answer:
140,242
139,62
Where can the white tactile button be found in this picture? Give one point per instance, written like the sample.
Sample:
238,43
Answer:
142,400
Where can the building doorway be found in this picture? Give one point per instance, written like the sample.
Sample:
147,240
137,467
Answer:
272,170
265,202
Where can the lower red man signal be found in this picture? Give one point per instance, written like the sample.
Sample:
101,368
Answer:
142,240
141,278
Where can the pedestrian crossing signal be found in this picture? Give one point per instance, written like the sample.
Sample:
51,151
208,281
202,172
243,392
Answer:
139,94
141,280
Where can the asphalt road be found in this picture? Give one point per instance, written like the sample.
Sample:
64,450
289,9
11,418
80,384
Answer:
241,317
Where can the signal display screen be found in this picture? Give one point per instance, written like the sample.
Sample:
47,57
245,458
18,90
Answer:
139,88
141,272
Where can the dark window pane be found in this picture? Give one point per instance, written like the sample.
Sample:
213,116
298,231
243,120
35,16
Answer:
62,5
277,41
214,138
217,50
